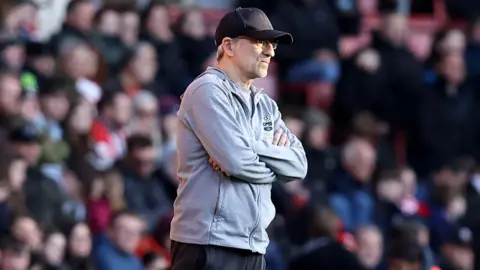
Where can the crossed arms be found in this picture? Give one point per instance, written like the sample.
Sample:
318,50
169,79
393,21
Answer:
208,112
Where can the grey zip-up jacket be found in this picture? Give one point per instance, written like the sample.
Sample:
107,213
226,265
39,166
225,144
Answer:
232,207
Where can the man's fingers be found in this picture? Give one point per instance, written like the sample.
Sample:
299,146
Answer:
283,140
277,136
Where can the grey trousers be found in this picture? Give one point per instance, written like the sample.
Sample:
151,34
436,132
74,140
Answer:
203,257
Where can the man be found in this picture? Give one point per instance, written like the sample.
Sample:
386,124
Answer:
405,253
144,193
221,213
78,23
116,251
322,250
15,255
108,130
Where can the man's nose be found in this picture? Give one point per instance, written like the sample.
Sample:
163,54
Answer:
268,50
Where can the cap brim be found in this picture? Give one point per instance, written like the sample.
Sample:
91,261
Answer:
280,36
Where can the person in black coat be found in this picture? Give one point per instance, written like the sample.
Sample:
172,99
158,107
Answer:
322,250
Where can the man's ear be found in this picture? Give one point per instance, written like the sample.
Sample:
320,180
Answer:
228,45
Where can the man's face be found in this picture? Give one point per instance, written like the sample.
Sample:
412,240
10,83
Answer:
26,229
10,92
453,68
143,160
110,23
395,29
29,151
80,241
54,249
252,56
14,56
122,109
126,233
82,16
130,23
369,248
145,64
44,64
159,20
78,63
147,116
362,162
15,261
56,106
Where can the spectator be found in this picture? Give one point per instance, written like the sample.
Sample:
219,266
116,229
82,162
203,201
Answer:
322,251
145,119
415,231
108,130
106,196
195,44
350,195
54,251
156,30
404,71
55,105
107,36
20,20
137,72
12,198
130,25
450,101
77,60
26,229
15,255
159,243
44,197
79,247
10,93
312,57
117,251
78,23
12,54
456,251
323,157
144,193
39,66
450,40
405,254
369,246
362,87
77,128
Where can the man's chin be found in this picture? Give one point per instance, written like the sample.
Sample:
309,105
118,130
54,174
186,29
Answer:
262,73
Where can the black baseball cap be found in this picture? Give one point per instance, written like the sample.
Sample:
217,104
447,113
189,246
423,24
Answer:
249,22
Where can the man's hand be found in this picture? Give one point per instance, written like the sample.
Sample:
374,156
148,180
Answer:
281,138
214,164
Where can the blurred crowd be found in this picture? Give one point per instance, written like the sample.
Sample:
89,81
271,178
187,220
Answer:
87,132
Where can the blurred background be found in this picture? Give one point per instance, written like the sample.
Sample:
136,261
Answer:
384,94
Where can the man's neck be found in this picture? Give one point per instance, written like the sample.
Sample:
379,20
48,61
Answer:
235,74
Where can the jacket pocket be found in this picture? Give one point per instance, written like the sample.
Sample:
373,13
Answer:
237,210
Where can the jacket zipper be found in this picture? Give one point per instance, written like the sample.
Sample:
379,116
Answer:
257,218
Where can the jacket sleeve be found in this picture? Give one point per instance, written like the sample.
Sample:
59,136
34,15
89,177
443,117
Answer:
209,113
288,163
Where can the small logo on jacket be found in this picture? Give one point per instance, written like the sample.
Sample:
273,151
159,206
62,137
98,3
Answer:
267,123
